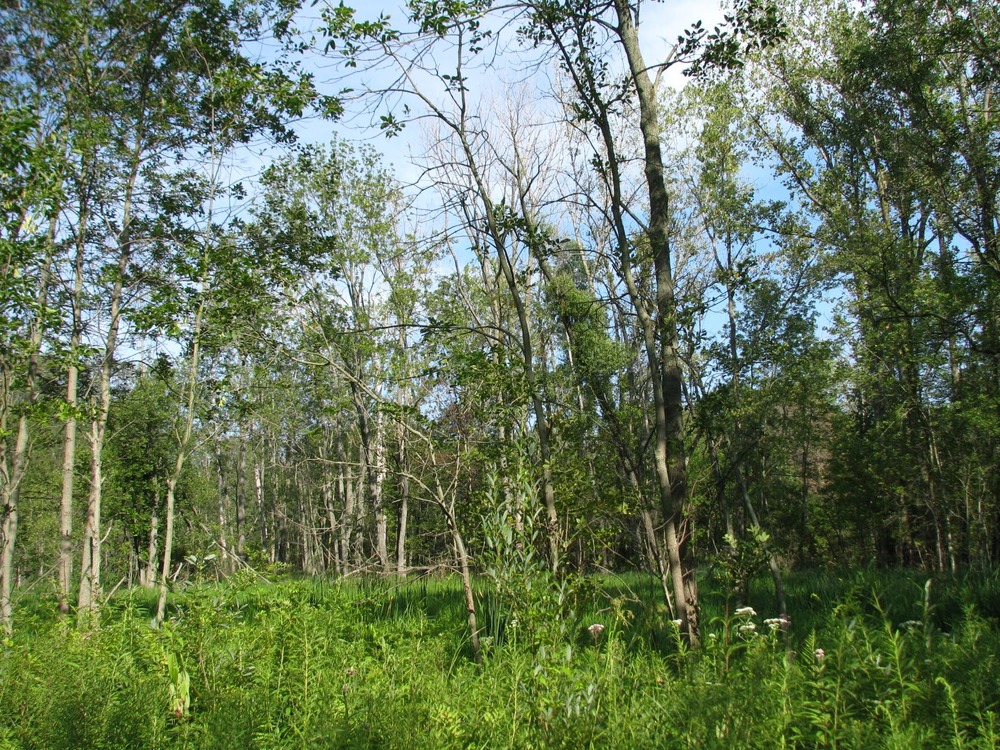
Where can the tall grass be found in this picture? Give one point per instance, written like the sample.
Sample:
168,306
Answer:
871,660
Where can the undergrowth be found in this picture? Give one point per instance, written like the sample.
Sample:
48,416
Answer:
867,660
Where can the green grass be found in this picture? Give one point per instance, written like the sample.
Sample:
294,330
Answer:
376,663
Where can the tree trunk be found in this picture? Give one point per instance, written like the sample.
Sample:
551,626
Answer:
149,574
373,454
69,433
221,491
258,486
346,492
403,517
241,497
168,546
8,528
183,446
90,573
13,468
669,450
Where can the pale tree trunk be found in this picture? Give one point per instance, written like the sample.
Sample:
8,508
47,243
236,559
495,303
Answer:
313,559
670,452
360,520
402,519
183,449
258,486
8,529
371,451
331,537
69,433
90,568
13,468
66,498
168,542
378,498
90,574
346,491
148,576
241,496
222,492
371,431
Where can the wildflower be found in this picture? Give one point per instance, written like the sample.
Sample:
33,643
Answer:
595,631
819,654
748,628
784,622
746,612
678,623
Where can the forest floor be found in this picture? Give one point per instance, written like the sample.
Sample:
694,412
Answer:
869,660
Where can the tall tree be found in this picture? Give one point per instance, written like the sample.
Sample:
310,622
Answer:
333,213
873,153
493,223
30,193
186,87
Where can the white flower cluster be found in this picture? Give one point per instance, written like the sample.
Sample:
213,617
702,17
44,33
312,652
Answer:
595,631
781,622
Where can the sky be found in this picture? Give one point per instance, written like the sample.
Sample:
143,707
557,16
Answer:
660,25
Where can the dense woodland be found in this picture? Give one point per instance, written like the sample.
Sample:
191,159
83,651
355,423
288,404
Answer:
752,322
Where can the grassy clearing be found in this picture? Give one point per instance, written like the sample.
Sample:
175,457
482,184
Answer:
869,662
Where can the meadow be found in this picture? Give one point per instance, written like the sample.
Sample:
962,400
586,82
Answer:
869,660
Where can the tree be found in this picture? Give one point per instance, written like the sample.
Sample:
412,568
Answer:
185,84
334,212
29,197
139,449
873,157
576,32
493,225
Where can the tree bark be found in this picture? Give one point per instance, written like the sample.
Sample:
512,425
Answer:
13,468
148,576
241,496
183,447
670,452
69,432
90,568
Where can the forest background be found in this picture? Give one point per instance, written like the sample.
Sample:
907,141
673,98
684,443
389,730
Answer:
747,324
